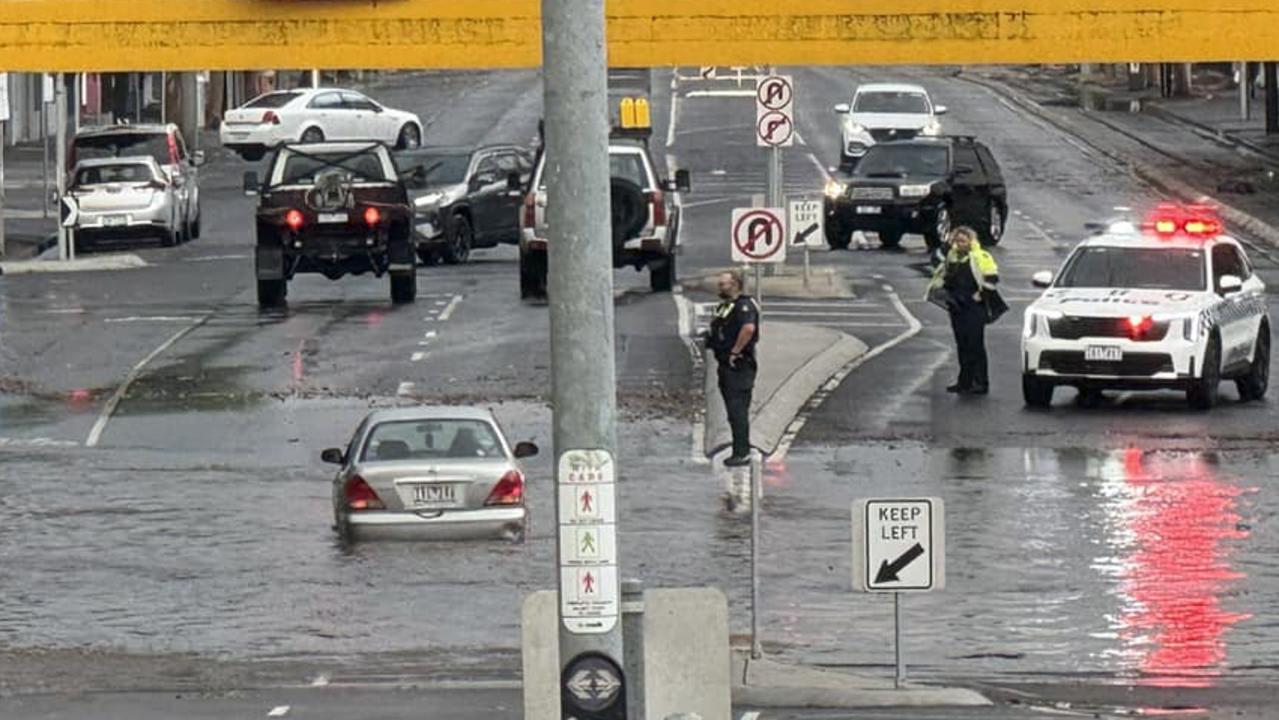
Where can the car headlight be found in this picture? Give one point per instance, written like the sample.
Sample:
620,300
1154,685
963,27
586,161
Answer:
1189,324
1030,326
835,188
856,129
915,191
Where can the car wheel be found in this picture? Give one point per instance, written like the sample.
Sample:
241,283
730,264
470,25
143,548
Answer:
253,155
410,138
838,236
936,235
1253,386
428,258
662,279
313,135
461,237
1036,392
994,232
890,238
403,287
1203,394
170,238
532,275
271,293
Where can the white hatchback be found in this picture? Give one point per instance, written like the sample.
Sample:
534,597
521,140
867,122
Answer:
1172,303
313,115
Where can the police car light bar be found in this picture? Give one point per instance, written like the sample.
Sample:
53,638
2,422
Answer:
1169,220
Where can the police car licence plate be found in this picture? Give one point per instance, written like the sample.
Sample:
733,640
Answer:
332,218
869,209
1103,353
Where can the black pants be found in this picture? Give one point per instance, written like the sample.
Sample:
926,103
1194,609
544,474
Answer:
969,323
735,386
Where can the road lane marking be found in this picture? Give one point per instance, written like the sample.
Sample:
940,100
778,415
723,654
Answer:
720,93
405,389
820,167
36,442
914,326
670,127
417,356
216,258
95,434
448,310
750,716
320,681
278,711
152,318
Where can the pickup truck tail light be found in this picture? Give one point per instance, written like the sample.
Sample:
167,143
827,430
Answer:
530,210
373,216
294,220
659,207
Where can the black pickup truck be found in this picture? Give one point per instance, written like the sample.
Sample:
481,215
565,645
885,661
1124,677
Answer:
333,209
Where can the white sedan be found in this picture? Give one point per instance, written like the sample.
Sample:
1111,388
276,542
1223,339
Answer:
312,115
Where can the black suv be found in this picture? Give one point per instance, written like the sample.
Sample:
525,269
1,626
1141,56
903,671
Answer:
463,198
924,186
334,209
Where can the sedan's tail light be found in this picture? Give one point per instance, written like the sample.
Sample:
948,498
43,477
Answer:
359,496
373,216
269,117
509,490
155,185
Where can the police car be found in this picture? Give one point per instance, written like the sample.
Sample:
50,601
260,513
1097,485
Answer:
1169,303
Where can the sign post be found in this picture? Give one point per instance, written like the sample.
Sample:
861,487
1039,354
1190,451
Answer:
775,128
899,546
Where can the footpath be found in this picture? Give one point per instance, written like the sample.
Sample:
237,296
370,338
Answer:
1192,149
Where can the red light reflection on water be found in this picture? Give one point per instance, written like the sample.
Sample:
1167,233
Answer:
1181,518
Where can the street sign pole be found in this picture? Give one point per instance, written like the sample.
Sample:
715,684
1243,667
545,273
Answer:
757,495
60,119
900,677
583,382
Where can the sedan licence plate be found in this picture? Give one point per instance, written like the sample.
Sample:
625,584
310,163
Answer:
434,496
115,220
869,209
1103,353
332,218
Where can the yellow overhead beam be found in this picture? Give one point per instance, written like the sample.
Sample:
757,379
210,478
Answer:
119,35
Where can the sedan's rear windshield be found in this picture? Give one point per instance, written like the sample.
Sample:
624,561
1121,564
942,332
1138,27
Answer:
432,439
104,174
95,147
272,100
910,103
1135,269
303,169
902,161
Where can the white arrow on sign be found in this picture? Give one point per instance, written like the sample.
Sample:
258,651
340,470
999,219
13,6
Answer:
70,211
707,72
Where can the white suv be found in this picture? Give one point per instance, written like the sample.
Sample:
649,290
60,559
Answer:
1171,303
884,112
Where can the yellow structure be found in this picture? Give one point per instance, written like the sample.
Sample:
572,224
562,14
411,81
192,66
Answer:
120,35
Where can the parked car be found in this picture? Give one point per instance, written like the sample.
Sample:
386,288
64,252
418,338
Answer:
164,144
645,217
464,198
430,473
333,209
125,198
922,186
884,112
314,115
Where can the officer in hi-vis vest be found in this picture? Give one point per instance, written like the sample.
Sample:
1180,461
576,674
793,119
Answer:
733,334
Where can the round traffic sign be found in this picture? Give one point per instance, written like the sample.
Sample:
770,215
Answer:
775,128
759,235
774,92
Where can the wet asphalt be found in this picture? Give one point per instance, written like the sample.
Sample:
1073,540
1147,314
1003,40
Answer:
1130,543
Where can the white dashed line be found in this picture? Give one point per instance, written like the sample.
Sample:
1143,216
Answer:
278,711
448,311
151,318
320,681
417,356
405,389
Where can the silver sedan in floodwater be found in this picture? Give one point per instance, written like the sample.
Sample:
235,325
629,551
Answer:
430,473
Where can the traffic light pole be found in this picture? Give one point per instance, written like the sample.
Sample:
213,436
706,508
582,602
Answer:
583,382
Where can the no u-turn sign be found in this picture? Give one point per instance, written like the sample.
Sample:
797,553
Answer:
759,235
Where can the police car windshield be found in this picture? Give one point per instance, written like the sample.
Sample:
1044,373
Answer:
1135,269
908,103
901,161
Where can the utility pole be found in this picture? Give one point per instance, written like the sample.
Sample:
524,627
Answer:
583,381
1271,70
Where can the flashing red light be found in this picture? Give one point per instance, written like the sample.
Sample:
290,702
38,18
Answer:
372,216
294,220
508,491
1139,325
1198,221
270,117
359,496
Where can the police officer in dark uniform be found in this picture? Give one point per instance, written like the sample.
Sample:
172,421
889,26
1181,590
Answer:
733,334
